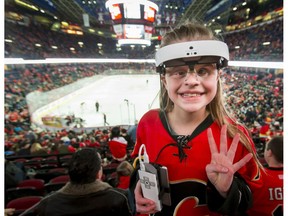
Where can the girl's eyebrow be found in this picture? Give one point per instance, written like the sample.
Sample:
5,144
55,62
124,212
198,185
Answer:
206,64
176,67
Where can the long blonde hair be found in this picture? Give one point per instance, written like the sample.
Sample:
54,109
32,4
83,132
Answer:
191,31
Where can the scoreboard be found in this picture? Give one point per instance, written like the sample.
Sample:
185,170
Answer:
133,20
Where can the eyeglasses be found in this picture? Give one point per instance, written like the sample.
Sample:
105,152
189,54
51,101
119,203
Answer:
202,71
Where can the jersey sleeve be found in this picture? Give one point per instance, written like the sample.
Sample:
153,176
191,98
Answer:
238,200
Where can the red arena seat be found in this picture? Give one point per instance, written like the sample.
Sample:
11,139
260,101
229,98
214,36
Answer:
37,183
23,203
18,192
62,178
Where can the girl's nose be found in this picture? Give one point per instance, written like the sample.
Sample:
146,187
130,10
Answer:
191,76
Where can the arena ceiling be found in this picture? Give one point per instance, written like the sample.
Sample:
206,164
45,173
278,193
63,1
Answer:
208,11
73,10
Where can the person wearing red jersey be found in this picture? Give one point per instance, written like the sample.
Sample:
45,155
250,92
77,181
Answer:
269,200
117,145
265,130
212,165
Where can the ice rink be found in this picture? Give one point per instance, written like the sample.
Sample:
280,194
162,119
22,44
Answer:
122,98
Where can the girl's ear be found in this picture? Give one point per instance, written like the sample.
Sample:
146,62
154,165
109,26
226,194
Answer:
163,79
219,74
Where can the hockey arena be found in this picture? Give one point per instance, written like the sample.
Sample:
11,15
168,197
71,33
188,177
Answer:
143,107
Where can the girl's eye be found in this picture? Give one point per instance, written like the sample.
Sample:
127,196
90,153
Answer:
202,72
180,73
177,73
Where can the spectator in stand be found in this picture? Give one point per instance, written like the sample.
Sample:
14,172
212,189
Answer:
117,145
265,130
130,143
93,143
24,148
54,148
85,193
105,136
124,171
14,173
65,147
132,131
269,200
37,149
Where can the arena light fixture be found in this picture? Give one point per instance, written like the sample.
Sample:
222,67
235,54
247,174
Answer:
110,3
134,41
24,4
11,61
245,64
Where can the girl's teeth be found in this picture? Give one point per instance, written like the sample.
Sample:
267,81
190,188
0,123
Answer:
191,95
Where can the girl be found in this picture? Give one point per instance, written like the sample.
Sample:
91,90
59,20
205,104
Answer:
211,160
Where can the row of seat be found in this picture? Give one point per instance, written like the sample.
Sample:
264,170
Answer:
42,182
35,187
23,203
44,162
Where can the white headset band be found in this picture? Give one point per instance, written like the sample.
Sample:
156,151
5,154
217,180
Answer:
192,49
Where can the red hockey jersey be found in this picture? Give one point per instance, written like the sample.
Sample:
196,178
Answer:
269,200
188,179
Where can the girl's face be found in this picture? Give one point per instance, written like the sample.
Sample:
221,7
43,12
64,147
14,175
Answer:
191,89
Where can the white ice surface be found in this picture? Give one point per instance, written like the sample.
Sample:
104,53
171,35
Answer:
112,93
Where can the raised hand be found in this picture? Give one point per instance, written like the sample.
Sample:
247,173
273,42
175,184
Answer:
221,169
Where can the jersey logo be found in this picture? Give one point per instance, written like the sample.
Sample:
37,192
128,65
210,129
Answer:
189,197
190,206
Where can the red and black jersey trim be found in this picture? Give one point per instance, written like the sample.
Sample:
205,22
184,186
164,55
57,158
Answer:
181,141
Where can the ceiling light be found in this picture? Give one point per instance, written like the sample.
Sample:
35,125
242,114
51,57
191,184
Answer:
134,41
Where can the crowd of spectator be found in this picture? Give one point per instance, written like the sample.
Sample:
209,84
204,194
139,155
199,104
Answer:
245,44
252,96
24,40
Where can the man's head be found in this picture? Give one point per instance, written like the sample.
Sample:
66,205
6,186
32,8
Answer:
84,166
274,151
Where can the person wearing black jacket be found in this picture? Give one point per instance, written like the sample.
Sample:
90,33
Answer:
85,194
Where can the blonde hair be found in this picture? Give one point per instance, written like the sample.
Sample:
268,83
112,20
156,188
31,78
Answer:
191,31
35,147
124,169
